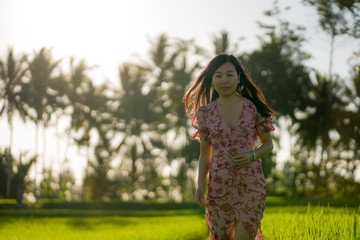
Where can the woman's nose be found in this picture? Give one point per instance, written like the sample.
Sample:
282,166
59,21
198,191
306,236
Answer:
224,79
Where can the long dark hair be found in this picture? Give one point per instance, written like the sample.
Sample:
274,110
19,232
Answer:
201,91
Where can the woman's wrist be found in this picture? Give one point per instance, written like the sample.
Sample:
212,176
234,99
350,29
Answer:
201,182
253,155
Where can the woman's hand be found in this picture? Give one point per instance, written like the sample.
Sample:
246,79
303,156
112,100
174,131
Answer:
199,195
244,159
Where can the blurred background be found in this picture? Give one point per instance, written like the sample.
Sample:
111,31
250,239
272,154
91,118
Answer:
91,91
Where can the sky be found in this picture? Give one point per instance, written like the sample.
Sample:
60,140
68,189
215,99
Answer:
107,33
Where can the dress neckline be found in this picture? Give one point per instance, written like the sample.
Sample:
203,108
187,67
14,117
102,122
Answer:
239,118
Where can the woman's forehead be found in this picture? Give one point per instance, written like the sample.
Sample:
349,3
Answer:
226,67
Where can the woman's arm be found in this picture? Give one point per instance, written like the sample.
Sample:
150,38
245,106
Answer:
265,147
204,162
242,160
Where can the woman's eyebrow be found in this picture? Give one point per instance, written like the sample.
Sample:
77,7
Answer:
228,71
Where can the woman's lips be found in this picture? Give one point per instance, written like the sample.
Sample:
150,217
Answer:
224,89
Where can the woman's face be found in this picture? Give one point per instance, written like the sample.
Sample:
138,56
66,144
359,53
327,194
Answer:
225,79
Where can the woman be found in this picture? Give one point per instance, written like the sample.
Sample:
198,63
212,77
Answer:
230,113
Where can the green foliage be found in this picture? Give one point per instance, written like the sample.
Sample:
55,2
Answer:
12,73
18,177
141,125
36,91
278,68
48,185
338,17
222,43
279,222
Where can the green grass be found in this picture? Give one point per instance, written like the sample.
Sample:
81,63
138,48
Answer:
311,223
58,224
279,222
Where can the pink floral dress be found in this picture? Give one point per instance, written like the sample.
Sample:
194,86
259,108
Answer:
234,194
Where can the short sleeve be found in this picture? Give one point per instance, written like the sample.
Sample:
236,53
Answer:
263,124
199,123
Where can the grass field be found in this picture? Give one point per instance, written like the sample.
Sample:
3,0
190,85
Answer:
103,225
279,222
311,223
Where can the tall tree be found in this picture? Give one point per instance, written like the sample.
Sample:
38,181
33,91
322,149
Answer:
170,56
20,170
12,74
327,115
79,85
185,149
37,92
98,124
89,127
20,176
336,18
136,117
222,43
349,129
277,67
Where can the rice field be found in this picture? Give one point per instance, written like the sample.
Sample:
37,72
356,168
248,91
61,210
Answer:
304,223
279,222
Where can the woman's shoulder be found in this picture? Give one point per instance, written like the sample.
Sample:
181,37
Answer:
249,104
208,107
251,108
205,110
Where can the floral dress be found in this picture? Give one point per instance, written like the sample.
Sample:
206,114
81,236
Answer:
234,194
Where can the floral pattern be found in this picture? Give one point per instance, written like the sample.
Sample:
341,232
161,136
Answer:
234,194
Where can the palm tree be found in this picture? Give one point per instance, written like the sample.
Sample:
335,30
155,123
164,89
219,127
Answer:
337,18
319,119
277,67
222,43
90,118
177,122
12,73
19,173
78,84
58,103
170,58
136,118
22,170
98,120
143,87
349,127
38,92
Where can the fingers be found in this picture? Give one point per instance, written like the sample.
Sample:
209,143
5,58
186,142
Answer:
242,160
199,195
242,163
200,201
240,157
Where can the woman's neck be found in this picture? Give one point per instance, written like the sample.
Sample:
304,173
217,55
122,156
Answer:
229,99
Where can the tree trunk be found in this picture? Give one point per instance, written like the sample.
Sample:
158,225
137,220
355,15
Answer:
36,154
19,194
332,43
9,159
44,145
9,172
